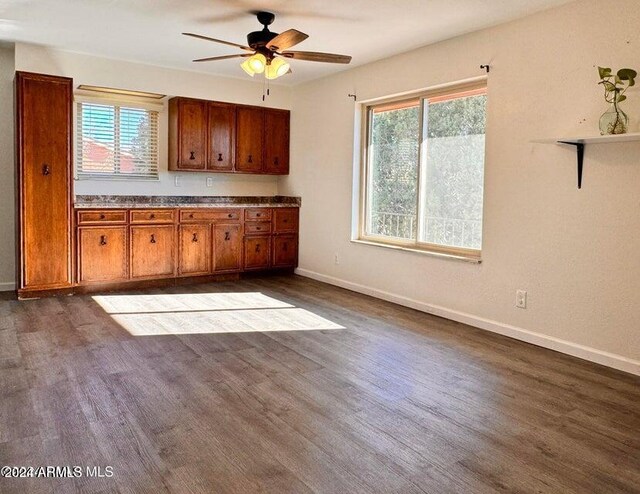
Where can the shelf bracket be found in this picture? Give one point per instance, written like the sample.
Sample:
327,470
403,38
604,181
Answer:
580,153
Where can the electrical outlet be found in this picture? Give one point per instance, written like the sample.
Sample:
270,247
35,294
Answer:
209,181
177,181
521,299
336,259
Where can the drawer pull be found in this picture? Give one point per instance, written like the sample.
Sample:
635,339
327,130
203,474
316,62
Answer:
102,216
219,156
258,215
192,155
191,215
103,240
258,248
152,216
227,236
153,238
285,221
230,215
46,169
250,160
195,237
258,228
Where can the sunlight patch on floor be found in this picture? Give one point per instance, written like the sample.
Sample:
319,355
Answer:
208,313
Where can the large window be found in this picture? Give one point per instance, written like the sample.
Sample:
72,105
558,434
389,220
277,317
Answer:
424,172
116,142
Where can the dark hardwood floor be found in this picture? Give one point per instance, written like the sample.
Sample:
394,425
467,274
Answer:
391,400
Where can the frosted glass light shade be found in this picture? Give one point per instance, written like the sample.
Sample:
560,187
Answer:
277,68
247,67
257,63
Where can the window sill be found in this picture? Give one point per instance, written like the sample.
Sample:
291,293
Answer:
432,253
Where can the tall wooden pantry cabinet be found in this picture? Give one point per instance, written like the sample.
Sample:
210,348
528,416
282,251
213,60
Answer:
44,183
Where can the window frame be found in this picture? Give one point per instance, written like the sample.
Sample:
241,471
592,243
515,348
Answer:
477,86
116,101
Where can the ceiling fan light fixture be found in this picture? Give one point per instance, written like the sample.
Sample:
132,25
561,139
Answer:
277,68
246,66
257,62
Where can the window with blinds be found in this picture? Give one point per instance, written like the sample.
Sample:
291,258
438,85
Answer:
116,142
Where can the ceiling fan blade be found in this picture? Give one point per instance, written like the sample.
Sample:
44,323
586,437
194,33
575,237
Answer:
223,57
207,38
286,40
314,56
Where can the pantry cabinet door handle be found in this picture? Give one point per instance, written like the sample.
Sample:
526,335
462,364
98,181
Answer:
153,238
250,160
103,240
227,236
46,169
195,237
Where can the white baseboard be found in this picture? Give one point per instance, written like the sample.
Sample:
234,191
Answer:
7,287
576,350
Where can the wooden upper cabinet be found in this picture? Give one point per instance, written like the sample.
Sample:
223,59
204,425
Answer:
276,145
250,139
43,110
222,134
187,134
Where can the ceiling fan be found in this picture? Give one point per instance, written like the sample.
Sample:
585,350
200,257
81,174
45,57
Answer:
267,51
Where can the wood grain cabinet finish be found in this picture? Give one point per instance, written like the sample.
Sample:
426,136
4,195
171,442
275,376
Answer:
187,134
43,134
102,217
222,137
257,252
276,141
285,220
250,135
227,247
285,251
152,251
102,254
195,249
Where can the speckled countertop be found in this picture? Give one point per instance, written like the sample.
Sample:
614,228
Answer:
100,201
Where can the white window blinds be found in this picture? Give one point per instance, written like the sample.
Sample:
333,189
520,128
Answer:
116,142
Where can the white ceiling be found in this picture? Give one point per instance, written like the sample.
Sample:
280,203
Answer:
148,31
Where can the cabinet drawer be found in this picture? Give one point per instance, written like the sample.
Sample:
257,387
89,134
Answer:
210,215
102,217
257,227
260,214
286,220
151,216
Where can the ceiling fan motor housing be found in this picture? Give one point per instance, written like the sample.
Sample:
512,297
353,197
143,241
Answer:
258,39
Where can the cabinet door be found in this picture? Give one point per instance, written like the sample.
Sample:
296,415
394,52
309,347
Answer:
285,251
44,168
257,252
285,220
222,130
152,251
102,253
227,247
192,134
195,249
276,131
250,135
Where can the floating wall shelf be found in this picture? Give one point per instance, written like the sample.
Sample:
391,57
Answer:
581,142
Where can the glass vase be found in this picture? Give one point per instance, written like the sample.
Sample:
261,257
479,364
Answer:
614,121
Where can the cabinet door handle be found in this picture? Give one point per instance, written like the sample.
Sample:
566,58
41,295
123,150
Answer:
192,155
153,238
195,237
46,169
275,161
219,156
258,248
284,247
250,160
103,240
227,236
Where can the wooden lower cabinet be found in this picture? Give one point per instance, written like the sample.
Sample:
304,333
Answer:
257,252
194,250
152,251
102,254
227,247
285,251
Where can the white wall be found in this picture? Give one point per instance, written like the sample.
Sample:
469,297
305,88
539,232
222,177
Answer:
85,69
7,183
575,252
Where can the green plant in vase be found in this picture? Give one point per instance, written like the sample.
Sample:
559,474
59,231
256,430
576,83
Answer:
614,120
